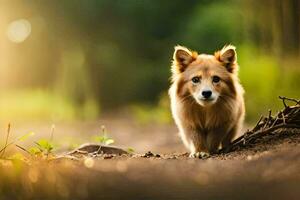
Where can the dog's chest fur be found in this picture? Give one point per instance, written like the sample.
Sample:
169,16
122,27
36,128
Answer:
219,116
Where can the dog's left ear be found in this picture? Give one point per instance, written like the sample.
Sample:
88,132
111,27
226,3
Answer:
228,57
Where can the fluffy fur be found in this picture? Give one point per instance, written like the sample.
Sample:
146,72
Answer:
206,123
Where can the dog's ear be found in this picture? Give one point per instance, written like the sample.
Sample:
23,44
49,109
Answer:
227,56
182,58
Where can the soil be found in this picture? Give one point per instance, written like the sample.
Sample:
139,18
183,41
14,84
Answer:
265,168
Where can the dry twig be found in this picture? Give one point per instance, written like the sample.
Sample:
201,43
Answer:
6,141
288,118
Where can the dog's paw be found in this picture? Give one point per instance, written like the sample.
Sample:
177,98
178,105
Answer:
199,155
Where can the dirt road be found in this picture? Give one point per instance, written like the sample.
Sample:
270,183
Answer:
268,169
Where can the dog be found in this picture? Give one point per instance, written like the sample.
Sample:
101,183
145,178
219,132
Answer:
207,100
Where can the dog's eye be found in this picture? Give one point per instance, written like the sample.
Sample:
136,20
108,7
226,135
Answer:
196,79
216,79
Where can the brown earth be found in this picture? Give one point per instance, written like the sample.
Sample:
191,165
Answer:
265,168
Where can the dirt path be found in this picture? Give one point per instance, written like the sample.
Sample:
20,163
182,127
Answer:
268,170
265,168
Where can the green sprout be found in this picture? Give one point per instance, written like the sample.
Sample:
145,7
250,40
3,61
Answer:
103,138
130,150
43,146
13,142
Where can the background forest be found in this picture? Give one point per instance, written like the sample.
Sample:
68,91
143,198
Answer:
72,59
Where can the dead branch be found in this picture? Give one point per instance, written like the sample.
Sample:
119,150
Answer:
288,118
289,99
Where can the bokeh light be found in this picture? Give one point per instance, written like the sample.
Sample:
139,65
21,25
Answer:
19,30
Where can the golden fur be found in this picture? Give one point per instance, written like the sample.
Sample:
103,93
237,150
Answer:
204,125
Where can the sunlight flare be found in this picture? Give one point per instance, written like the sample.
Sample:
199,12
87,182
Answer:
19,30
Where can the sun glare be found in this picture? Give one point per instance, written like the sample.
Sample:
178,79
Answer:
18,30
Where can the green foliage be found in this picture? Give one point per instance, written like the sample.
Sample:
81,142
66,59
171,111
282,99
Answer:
44,105
21,138
43,147
263,81
26,136
130,150
214,25
103,137
82,65
35,150
159,113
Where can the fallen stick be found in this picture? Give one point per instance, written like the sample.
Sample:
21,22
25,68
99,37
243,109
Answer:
288,118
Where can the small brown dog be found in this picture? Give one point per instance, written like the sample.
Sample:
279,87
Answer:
206,99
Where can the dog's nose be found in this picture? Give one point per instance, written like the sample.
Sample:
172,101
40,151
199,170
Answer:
206,94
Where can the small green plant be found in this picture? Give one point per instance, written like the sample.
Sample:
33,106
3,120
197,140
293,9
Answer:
130,150
44,147
103,137
19,139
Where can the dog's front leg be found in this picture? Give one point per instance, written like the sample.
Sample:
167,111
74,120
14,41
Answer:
213,140
197,146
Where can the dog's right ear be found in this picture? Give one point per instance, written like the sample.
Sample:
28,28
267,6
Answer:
182,58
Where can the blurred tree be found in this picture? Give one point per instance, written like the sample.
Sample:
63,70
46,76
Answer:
117,52
274,25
